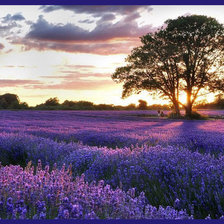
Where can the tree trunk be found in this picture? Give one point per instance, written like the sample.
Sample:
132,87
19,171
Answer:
177,108
188,108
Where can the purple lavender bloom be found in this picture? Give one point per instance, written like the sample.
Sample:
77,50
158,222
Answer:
179,172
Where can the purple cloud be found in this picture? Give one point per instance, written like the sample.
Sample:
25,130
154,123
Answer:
1,46
77,85
126,28
108,17
106,38
15,17
97,10
90,48
17,82
88,21
5,30
73,75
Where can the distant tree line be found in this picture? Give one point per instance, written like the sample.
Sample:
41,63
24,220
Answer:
217,104
53,104
12,101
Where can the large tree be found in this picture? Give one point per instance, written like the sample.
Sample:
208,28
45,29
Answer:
200,42
186,55
152,67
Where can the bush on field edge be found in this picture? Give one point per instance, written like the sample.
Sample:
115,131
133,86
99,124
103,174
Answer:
194,116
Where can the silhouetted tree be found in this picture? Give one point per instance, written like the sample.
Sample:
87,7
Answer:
52,102
84,105
68,103
9,101
219,101
200,42
142,105
131,106
185,56
104,107
152,67
23,105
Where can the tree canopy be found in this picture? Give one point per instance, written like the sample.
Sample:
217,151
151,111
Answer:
185,56
11,101
142,105
52,102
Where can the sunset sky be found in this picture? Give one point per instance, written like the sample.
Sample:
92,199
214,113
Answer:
70,52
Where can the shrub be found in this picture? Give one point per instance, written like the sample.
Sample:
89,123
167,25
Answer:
174,115
195,116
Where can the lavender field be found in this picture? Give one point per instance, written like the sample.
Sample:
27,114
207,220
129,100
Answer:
110,164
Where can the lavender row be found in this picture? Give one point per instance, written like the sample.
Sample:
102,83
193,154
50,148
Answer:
169,176
69,115
21,148
54,195
116,129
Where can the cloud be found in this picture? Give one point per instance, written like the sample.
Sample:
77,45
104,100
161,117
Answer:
76,80
6,30
89,48
17,82
15,17
77,85
1,46
88,21
13,66
42,30
80,66
126,28
70,81
8,23
106,38
108,17
97,10
74,68
73,75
